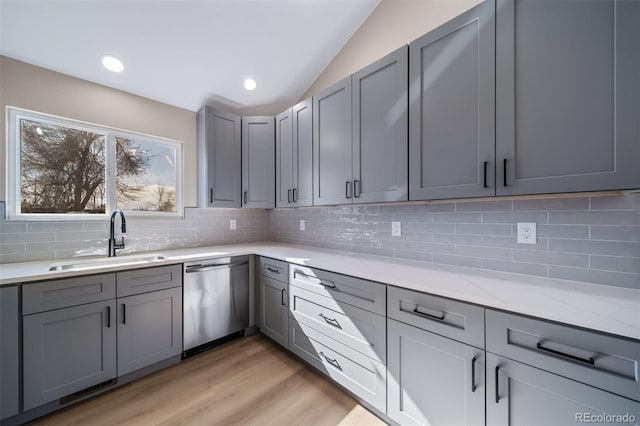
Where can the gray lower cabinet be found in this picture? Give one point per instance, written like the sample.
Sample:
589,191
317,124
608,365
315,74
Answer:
219,158
274,309
149,328
433,380
332,176
451,112
379,125
567,96
294,153
258,166
518,394
9,352
67,350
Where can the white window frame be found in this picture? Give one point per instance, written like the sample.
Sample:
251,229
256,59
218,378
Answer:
13,181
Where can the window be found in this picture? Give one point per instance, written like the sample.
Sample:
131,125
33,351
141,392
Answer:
61,168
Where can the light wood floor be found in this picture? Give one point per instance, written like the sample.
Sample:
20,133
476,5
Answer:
249,381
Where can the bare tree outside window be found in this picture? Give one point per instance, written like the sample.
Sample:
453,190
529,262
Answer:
63,169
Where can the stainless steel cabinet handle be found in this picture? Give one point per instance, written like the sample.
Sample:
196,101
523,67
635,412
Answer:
589,361
124,313
327,284
473,373
333,362
331,321
295,195
289,196
204,268
108,316
347,189
275,271
356,188
282,293
497,384
439,318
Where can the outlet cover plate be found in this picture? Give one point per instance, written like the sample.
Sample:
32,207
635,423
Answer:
233,225
527,233
396,229
302,225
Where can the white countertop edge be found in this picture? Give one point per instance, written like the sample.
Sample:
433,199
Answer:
608,309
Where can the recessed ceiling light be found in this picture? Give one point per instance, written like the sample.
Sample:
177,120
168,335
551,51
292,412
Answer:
250,84
112,63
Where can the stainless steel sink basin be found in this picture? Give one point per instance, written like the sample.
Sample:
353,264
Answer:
109,261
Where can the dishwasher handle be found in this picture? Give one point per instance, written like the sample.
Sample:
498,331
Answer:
204,268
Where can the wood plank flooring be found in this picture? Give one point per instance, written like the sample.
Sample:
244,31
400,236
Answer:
249,381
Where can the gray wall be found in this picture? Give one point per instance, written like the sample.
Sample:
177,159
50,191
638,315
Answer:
22,241
590,239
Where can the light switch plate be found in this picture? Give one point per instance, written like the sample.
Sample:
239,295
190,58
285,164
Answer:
396,229
233,224
527,233
302,225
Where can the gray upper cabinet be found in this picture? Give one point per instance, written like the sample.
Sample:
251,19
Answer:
67,350
9,352
149,328
219,158
258,166
380,158
451,111
520,394
567,96
332,177
294,153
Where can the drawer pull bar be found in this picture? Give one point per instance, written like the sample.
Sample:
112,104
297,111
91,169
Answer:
589,361
497,384
439,318
333,362
473,373
275,271
331,321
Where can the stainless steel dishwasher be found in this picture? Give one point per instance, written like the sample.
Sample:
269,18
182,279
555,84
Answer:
215,300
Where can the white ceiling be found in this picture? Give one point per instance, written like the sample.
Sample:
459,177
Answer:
187,53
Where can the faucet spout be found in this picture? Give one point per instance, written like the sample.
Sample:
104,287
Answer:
113,246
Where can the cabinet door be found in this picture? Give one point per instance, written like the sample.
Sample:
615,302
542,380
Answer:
258,165
149,329
524,395
9,353
567,96
380,143
273,310
433,380
303,153
67,350
332,145
219,159
284,159
451,112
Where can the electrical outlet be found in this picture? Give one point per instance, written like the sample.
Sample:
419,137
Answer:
302,225
527,233
396,229
233,225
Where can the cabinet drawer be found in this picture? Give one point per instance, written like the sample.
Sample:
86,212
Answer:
359,374
364,294
600,360
455,320
49,295
356,328
276,269
149,279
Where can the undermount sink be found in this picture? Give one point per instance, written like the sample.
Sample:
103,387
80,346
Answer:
109,261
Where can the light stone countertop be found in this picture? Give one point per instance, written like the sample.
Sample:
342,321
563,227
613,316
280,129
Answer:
608,309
